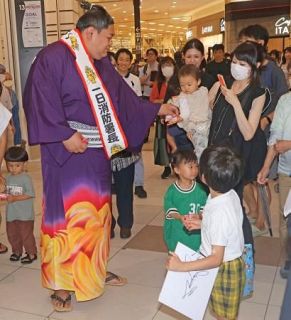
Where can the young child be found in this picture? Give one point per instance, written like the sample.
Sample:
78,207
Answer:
184,197
221,231
19,210
193,102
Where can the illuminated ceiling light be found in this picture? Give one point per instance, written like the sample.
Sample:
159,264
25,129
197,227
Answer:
161,24
166,13
176,18
152,22
156,11
123,11
114,5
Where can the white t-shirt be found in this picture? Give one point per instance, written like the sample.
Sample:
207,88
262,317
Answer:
5,117
134,82
222,225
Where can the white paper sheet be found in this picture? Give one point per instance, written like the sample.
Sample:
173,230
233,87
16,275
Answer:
188,292
287,207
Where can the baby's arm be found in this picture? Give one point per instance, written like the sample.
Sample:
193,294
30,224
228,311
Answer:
214,260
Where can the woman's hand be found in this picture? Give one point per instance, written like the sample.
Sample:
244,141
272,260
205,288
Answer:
230,96
262,177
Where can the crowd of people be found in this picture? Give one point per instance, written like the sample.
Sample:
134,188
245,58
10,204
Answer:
221,127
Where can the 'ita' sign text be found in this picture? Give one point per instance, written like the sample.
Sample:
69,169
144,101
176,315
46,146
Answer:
282,26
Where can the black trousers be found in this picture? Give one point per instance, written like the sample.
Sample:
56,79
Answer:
124,197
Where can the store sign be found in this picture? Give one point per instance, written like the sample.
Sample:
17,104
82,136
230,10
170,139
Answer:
189,34
282,26
222,25
207,29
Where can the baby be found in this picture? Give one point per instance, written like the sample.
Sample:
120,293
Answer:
193,102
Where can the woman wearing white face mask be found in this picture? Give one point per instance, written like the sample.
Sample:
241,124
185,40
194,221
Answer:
237,109
166,71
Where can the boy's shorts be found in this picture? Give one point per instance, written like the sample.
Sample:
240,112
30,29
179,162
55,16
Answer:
228,288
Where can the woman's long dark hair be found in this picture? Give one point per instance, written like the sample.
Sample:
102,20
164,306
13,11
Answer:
198,45
251,53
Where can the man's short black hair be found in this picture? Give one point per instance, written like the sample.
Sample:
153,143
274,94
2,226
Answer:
97,17
123,50
221,168
218,46
16,154
255,31
155,51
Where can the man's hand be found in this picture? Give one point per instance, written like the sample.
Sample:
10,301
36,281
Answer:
282,146
76,143
168,109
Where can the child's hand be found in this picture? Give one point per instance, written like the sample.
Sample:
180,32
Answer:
189,135
174,263
192,222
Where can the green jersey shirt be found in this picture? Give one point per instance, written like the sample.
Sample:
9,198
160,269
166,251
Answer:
182,201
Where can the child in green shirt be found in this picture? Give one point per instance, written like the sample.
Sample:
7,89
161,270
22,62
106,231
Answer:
184,197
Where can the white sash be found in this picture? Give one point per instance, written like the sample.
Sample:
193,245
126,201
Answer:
111,133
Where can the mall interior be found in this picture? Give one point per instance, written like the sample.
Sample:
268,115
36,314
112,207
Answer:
26,27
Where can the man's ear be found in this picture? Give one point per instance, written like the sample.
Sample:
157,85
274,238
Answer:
88,32
199,82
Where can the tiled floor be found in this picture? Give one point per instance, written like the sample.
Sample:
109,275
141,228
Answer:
23,298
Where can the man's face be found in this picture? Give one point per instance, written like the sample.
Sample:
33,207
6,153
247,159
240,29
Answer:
98,43
218,55
151,56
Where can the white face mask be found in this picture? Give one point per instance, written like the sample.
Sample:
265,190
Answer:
168,71
239,72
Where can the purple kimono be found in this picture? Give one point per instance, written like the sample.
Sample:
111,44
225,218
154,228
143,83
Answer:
76,197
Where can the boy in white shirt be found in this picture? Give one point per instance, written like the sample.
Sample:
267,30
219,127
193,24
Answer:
221,231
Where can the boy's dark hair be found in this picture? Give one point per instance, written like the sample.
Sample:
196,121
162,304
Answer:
97,17
255,31
182,156
217,47
221,168
155,51
123,50
16,154
190,70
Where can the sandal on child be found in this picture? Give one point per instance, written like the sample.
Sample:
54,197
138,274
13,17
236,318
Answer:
60,304
27,259
113,279
3,248
15,257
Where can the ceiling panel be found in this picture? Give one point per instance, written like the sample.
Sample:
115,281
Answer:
158,17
